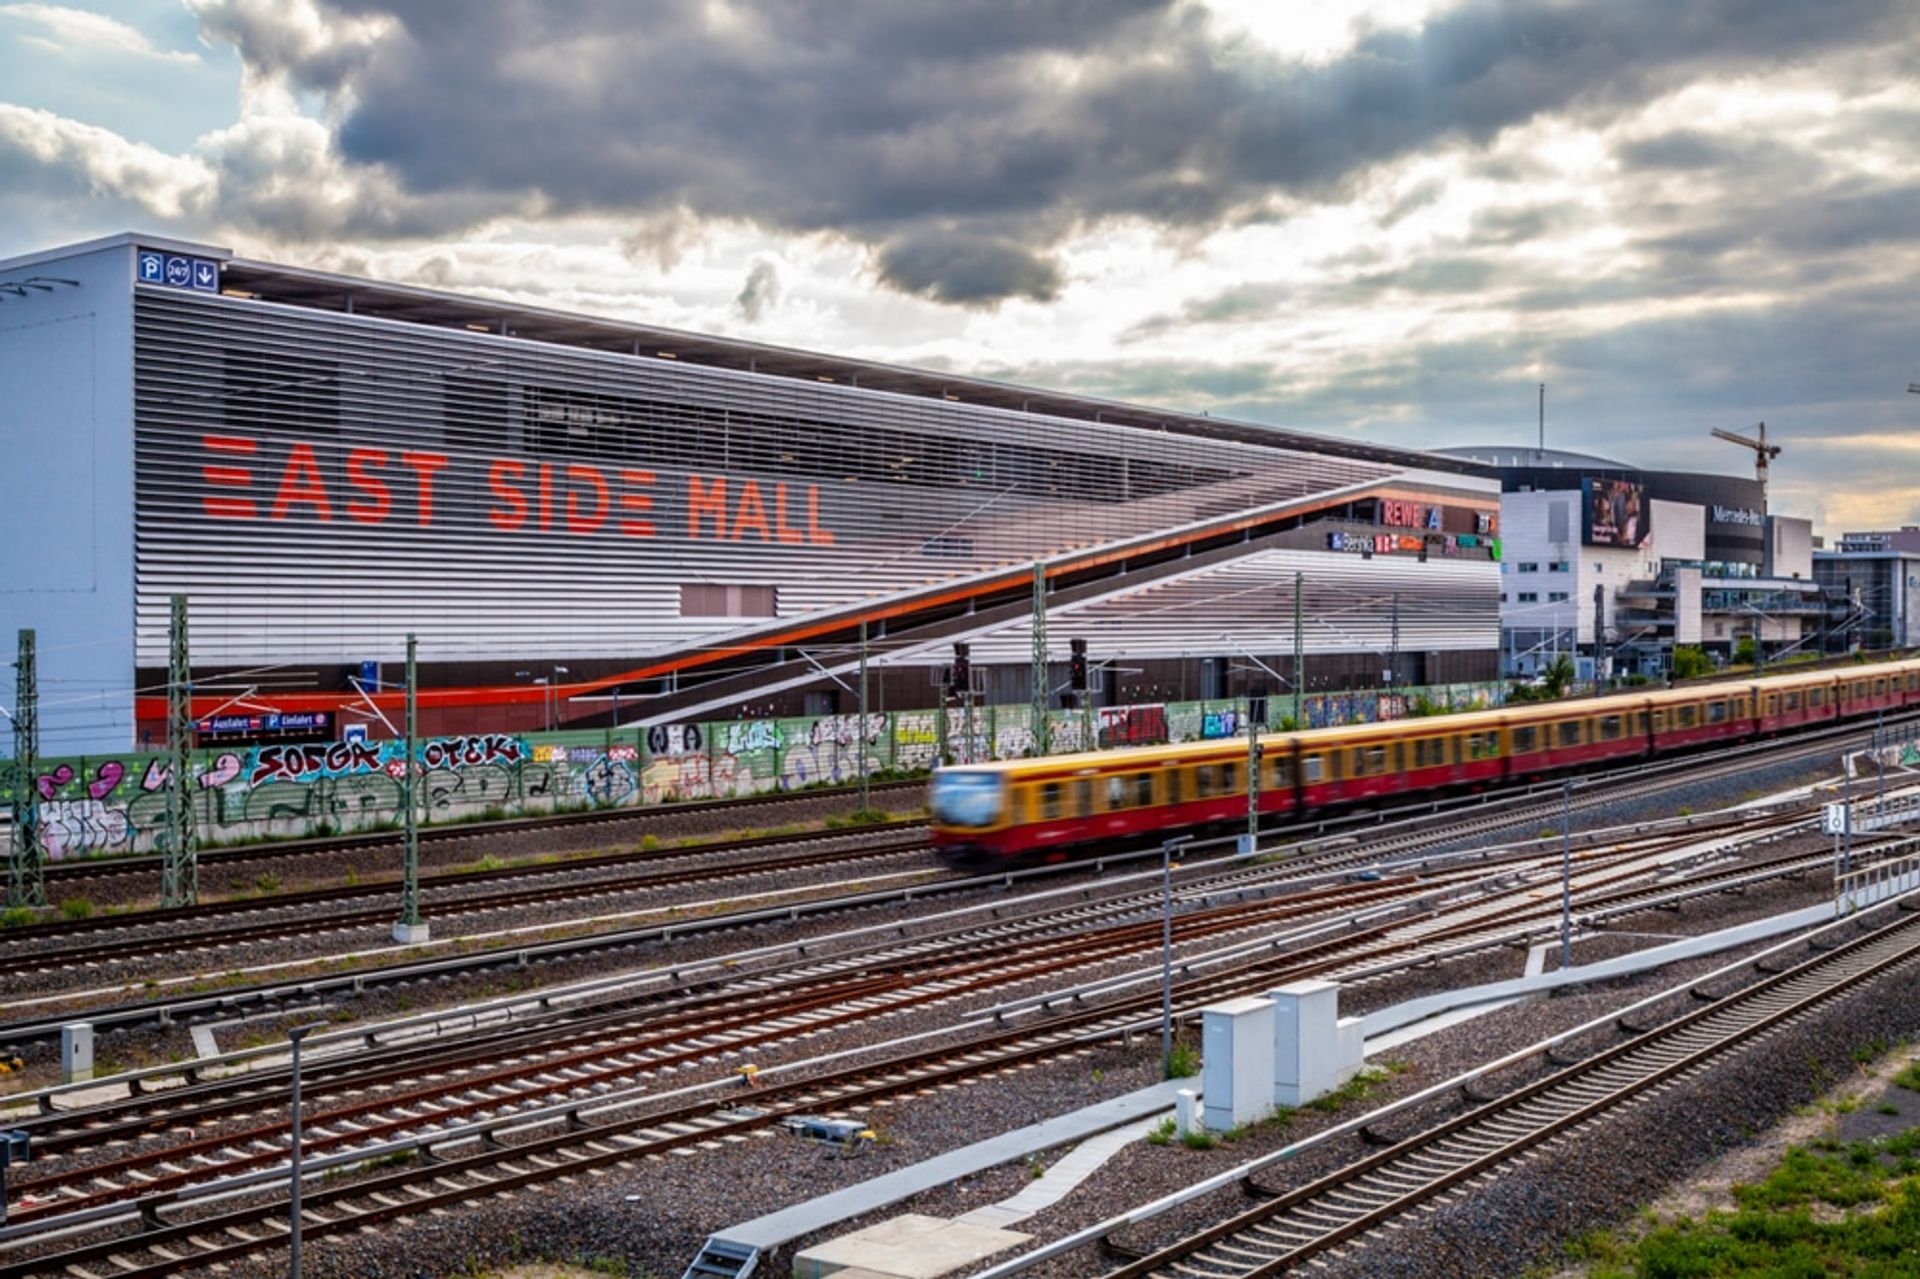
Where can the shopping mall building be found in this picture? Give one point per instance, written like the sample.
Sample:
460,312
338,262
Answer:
583,518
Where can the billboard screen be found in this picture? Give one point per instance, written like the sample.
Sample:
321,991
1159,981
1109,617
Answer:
1617,513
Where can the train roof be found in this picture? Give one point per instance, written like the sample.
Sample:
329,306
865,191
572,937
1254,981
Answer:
1090,763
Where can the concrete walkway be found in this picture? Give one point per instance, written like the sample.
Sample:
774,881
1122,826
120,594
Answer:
1062,1179
800,1220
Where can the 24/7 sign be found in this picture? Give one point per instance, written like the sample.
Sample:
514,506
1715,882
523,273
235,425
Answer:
178,271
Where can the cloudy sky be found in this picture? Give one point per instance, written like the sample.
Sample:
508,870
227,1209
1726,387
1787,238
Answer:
1381,218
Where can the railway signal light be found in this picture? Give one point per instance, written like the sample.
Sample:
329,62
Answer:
1077,666
962,667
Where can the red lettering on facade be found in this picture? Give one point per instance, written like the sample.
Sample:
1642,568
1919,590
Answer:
359,463
513,513
639,503
788,536
815,534
546,495
705,500
228,508
579,520
751,513
424,465
300,483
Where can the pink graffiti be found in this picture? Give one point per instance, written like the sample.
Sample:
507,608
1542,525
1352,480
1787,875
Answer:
287,763
105,778
156,776
52,782
221,771
468,752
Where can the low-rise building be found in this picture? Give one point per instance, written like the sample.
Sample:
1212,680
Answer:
1616,566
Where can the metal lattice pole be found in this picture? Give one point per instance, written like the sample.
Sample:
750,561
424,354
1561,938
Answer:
26,861
1041,746
860,737
410,928
1253,779
179,867
1299,655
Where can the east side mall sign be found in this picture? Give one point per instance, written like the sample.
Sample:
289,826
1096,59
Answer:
249,481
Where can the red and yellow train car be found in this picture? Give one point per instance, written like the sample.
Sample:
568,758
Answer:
1051,806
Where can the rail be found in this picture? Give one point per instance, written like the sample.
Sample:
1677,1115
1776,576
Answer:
1464,1080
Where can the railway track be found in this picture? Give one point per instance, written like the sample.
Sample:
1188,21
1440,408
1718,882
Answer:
1295,1227
278,850
444,900
535,1065
1429,826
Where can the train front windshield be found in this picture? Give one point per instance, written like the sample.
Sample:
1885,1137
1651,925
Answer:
962,798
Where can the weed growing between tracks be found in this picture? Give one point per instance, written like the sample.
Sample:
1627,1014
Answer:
1843,1202
1831,1208
1359,1088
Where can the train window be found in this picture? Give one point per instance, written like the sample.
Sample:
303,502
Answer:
1816,697
1526,740
1173,785
1280,772
1313,769
1050,802
1716,712
1368,761
1203,781
1568,734
1116,792
1609,727
1083,798
1143,790
1229,779
1879,687
1792,702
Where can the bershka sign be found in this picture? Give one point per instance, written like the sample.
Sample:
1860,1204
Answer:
1738,515
252,480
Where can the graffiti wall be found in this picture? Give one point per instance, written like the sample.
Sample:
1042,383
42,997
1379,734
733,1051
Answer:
102,806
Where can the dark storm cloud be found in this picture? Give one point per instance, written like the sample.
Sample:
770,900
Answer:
966,269
963,139
761,293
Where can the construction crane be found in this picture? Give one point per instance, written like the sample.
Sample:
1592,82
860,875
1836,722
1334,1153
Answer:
1763,452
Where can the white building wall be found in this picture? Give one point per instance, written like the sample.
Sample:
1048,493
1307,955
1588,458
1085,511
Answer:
66,493
1686,606
1789,547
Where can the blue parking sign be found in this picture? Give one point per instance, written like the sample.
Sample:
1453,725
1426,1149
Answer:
153,267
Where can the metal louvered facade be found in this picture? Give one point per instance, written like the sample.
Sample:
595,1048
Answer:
321,483
323,463
1377,606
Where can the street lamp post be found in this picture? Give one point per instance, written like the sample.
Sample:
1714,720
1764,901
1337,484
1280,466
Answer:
295,1035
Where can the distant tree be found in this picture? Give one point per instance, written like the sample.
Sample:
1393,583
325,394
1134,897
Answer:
1691,662
1559,676
1743,651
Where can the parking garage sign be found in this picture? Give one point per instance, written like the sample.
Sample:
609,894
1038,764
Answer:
178,271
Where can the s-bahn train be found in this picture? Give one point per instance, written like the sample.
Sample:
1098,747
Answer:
1045,809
